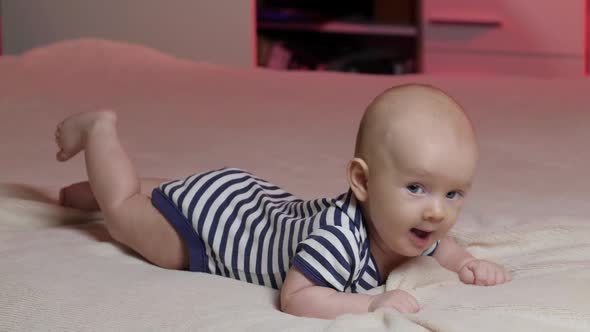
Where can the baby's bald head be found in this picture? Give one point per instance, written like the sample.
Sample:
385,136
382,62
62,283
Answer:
410,117
415,161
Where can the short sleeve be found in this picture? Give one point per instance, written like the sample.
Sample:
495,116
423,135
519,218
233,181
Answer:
430,251
329,257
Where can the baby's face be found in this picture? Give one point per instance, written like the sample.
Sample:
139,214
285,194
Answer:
415,196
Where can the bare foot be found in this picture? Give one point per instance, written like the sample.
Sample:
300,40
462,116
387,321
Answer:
70,134
79,196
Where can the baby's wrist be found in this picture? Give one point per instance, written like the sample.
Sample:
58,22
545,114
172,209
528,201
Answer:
464,262
370,305
373,302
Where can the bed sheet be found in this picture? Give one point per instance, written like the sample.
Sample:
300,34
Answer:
59,269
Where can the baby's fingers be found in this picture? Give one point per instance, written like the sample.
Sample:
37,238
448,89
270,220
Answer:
466,275
500,278
413,305
507,275
484,274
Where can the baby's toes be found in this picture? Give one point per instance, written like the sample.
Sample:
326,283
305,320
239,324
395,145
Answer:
61,155
58,131
58,140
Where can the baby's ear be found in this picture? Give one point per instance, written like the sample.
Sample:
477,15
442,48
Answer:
358,176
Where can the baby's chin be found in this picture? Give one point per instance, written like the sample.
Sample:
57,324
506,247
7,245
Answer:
409,251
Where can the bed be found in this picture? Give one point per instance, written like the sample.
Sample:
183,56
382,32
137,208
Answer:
60,270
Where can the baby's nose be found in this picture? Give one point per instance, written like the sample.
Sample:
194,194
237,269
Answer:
435,212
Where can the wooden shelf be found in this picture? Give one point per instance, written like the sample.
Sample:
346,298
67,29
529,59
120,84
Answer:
340,27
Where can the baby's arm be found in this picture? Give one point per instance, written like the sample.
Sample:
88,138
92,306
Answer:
301,297
470,269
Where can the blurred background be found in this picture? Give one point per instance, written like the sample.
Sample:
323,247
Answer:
541,38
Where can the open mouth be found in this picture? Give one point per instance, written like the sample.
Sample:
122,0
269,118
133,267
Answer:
420,233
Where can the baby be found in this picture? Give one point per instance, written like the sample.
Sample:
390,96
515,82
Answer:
414,163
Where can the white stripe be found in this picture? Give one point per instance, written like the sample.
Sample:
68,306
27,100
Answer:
322,271
228,255
187,183
298,222
209,218
330,219
246,235
430,249
328,255
190,194
169,186
367,277
216,243
265,245
281,228
287,238
254,234
247,229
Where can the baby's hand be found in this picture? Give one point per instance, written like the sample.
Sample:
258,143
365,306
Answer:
398,299
483,273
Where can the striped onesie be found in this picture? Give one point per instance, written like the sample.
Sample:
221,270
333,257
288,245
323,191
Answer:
239,226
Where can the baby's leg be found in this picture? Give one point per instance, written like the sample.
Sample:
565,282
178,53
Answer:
80,196
129,215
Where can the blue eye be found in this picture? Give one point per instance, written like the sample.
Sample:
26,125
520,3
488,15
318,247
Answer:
453,195
415,189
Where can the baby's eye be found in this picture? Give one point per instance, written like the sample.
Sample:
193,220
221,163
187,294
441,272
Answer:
415,188
453,195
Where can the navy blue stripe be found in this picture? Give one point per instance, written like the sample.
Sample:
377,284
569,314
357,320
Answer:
358,218
265,183
332,249
364,249
196,250
239,234
337,216
364,284
323,262
209,200
347,202
350,252
372,273
188,186
301,229
231,219
363,268
171,187
310,217
274,223
220,209
188,183
260,248
304,267
433,251
309,209
317,205
301,223
287,228
290,251
250,233
374,270
260,241
323,218
254,225
299,212
352,262
179,183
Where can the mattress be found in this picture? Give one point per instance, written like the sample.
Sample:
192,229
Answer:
60,270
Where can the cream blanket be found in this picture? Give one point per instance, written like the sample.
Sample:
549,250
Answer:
59,269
